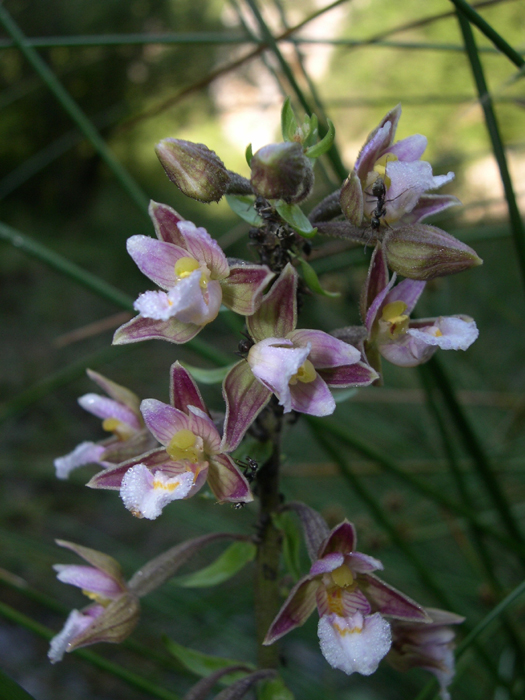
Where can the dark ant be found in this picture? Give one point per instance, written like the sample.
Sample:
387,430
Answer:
244,346
379,192
249,469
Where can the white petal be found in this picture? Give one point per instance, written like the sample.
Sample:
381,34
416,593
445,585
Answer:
145,494
76,623
192,304
85,453
356,643
155,305
448,333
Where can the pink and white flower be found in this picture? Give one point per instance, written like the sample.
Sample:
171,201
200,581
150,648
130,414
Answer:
297,366
112,616
352,602
120,416
191,454
194,277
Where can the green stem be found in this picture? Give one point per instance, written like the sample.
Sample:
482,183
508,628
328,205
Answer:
518,228
470,13
267,598
74,111
132,679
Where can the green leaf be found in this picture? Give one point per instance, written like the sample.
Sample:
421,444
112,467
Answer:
291,542
324,145
208,376
224,567
249,154
274,689
242,205
9,690
311,279
204,664
288,121
297,219
310,130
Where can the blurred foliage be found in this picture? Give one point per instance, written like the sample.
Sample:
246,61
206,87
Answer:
55,189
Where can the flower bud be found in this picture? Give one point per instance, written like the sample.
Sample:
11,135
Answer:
282,171
352,199
198,172
422,252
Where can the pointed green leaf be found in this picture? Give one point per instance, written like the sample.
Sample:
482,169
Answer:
291,542
204,664
311,130
208,376
297,219
274,689
249,153
242,205
224,567
324,145
288,121
311,279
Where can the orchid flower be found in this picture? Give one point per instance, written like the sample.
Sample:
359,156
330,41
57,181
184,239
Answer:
194,277
191,453
352,604
429,646
298,366
121,416
114,612
405,176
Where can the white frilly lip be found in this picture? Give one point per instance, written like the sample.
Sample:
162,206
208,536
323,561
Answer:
76,623
448,333
145,494
85,453
356,643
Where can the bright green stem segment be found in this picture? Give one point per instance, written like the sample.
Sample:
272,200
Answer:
132,679
74,111
518,228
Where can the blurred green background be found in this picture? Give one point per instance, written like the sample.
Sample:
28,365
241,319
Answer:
55,188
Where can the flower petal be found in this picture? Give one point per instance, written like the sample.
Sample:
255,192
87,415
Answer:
205,249
203,426
75,624
99,560
184,391
448,333
145,494
313,398
376,304
88,578
359,374
115,391
166,222
325,350
327,564
85,453
111,478
140,328
297,608
274,361
377,143
242,291
408,291
277,314
342,601
163,420
428,205
362,563
409,149
389,601
245,398
376,280
155,259
356,643
342,538
102,407
226,480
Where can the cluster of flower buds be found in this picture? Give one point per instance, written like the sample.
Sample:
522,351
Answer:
164,452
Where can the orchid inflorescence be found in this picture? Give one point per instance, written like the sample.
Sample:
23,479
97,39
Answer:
161,452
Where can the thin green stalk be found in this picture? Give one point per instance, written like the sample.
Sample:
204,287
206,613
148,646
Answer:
74,111
470,13
270,40
132,679
473,446
418,485
517,225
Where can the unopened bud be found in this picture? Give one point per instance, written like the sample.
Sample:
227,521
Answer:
198,172
422,252
352,199
282,171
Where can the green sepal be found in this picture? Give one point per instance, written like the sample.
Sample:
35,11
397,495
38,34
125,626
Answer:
324,145
242,205
249,154
223,568
274,689
297,219
288,121
311,130
311,279
208,376
291,542
204,665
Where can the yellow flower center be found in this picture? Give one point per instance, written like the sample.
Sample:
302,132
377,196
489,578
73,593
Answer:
97,598
185,266
306,374
121,430
183,446
380,168
342,576
394,318
159,484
